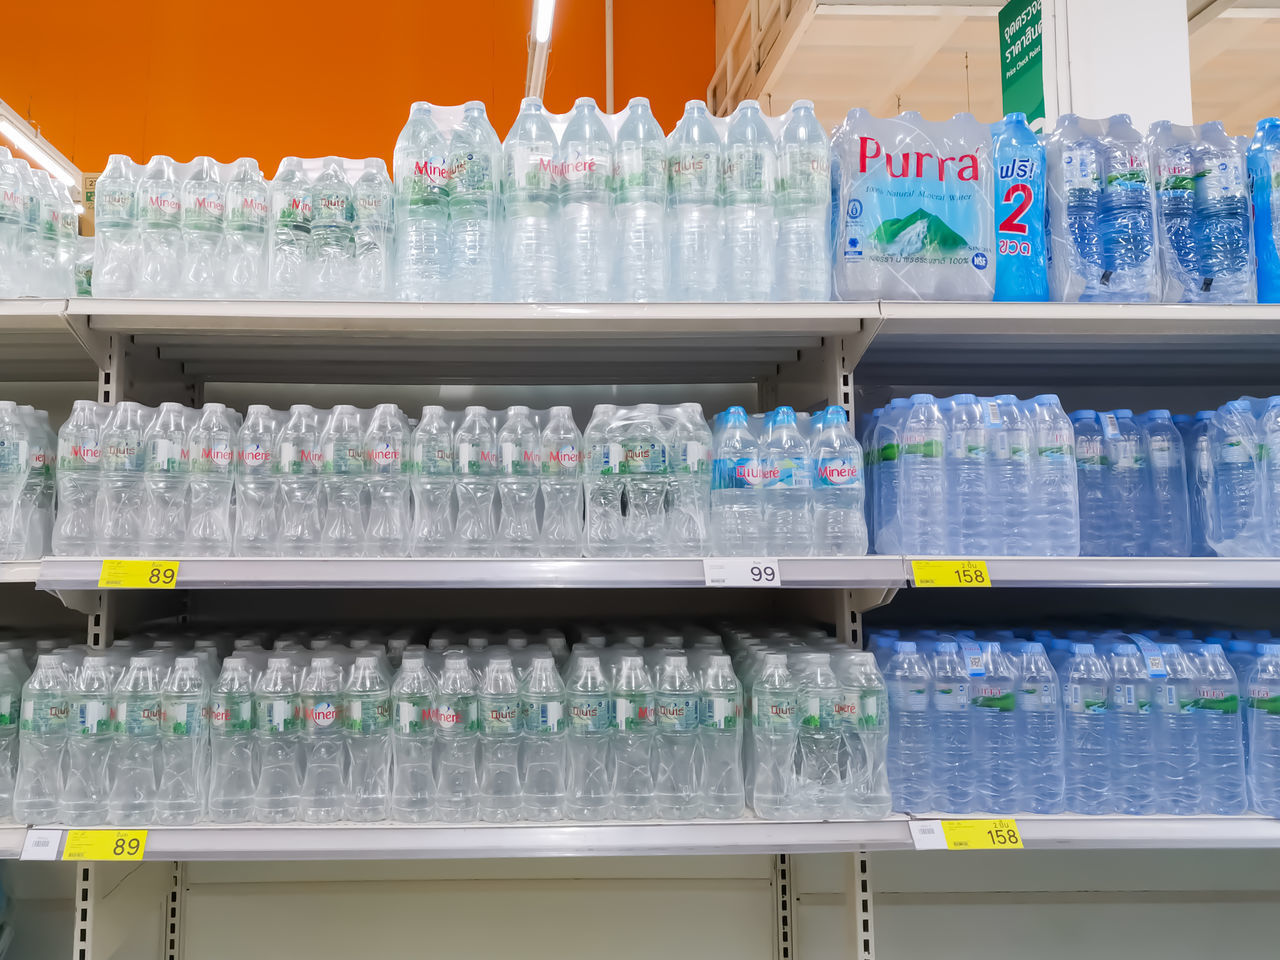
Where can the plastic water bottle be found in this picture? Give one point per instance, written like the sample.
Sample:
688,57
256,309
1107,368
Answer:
421,169
788,487
633,748
954,750
1217,708
910,758
1222,220
1039,706
995,724
1055,522
1175,193
720,712
1264,733
1177,767
202,197
499,713
388,532
560,456
457,724
232,787
689,505
158,208
343,483
83,799
164,480
697,229
184,729
1167,526
750,177
531,206
291,213
277,717
640,205
519,469
1011,480
34,521
1019,192
413,740
42,736
1085,728
646,473
1091,484
257,486
1133,721
590,707
1083,176
820,790
248,218
676,702
774,731
31,250
967,464
737,497
15,464
136,754
839,520
1235,490
803,206
331,270
1125,218
1126,483
923,484
475,458
431,477
374,197
584,166
474,169
121,492
13,216
211,466
323,750
542,750
863,712
602,478
367,708
115,238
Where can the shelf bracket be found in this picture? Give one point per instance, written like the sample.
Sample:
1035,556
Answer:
784,908
97,345
858,891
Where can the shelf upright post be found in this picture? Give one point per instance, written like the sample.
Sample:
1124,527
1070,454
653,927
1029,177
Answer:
860,930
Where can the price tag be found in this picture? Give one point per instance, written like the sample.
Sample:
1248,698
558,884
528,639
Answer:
950,573
741,572
139,574
105,845
41,845
966,835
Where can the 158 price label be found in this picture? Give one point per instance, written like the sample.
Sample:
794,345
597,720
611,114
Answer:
966,835
138,574
105,845
950,573
741,572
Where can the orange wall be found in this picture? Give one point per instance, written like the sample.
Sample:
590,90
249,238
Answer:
274,78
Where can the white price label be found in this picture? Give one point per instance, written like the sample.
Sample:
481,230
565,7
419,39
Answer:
742,572
41,845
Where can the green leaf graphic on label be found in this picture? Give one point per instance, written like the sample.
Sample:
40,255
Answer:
1004,703
937,236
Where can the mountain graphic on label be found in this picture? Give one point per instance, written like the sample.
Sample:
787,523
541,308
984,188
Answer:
915,233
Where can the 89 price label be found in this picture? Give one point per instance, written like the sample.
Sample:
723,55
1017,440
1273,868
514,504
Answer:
105,845
741,572
138,574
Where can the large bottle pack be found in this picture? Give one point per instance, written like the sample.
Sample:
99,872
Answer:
1264,186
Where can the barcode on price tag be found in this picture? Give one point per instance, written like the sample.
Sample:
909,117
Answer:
41,845
741,572
928,835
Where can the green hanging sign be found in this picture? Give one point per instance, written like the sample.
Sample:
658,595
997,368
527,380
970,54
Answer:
1022,60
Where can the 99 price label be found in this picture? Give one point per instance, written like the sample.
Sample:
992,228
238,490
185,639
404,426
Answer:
741,572
105,845
138,574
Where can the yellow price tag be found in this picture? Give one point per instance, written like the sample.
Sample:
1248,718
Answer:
104,845
982,835
950,573
139,574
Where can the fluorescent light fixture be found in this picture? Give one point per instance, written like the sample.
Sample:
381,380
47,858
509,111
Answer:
38,155
543,12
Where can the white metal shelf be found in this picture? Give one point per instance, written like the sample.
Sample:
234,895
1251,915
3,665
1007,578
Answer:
37,343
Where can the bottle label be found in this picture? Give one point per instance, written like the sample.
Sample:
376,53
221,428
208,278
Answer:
295,212
1221,179
90,717
367,714
644,457
138,718
296,459
849,707
77,456
44,714
819,712
1126,170
513,461
1110,427
122,455
971,656
1173,172
693,457
211,457
499,716
909,698
1234,450
1152,659
1089,451
203,209
373,208
413,715
804,172
639,169
1019,444
321,712
774,712
113,203
248,211
384,457
1079,168
433,458
721,711
1265,698
1055,444
990,695
457,715
427,179
1161,450
276,717
182,719
529,169
561,461
8,716
1036,697
837,472
793,472
694,174
590,713
1170,701
231,712
634,711
470,174
1124,455
951,697
1210,698
473,458
542,718
743,473
749,174
587,169
342,457
164,455
675,711
872,715
1086,698
920,444
331,210
161,207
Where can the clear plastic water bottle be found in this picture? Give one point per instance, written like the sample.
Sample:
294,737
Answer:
633,748
1178,768
531,207
584,168
788,487
803,207
694,160
158,208
1222,220
164,512
367,707
202,197
332,263
640,206
737,493
120,495
42,737
1167,526
36,502
646,474
323,748
1011,481
248,218
499,712
689,504
475,459
31,251
1263,690
954,749
542,748
232,787
820,788
519,469
457,725
13,217
886,476
602,482
343,483
83,800
863,712
1235,490
774,731
923,483
413,781
676,703
257,485
374,197
1039,717
839,520
291,212
184,730
1055,523
421,169
998,755
1091,483
45,277
910,755
15,465
591,723
431,477
560,457
277,718
115,236
211,472
1085,729
720,713
1125,225
136,754
750,178
388,532
475,166
1222,772
1082,181
1126,483
967,465
1175,195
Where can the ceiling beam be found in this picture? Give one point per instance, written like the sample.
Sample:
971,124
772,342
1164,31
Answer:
928,40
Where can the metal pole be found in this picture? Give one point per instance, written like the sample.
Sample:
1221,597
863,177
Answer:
608,56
